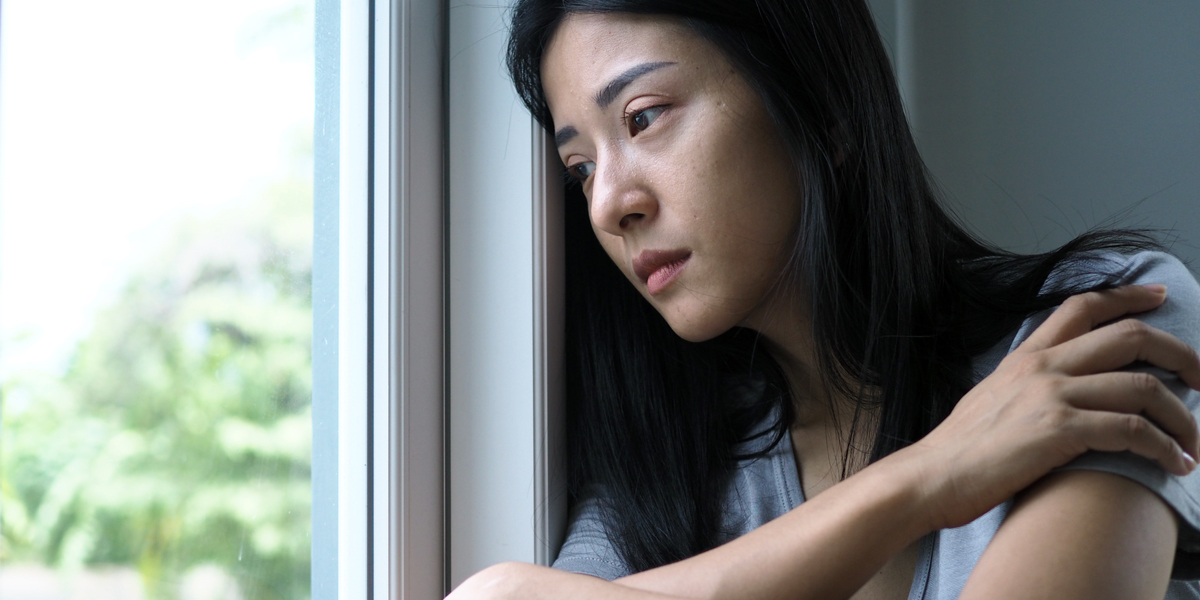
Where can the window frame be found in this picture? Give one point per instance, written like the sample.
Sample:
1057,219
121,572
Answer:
506,492
404,161
377,291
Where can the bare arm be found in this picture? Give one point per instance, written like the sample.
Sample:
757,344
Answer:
827,547
1112,539
1052,399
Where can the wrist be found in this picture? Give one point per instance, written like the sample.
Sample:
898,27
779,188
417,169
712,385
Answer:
918,491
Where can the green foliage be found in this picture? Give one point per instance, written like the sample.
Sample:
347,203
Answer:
181,433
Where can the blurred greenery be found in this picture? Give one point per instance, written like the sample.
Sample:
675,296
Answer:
181,433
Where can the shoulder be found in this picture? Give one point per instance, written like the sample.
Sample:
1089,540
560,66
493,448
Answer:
1179,315
1126,269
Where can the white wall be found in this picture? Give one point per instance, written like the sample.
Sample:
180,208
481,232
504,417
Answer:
504,311
1041,119
490,294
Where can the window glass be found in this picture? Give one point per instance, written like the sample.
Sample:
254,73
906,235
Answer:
155,304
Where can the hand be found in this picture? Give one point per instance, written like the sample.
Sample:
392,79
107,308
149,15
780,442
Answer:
1057,396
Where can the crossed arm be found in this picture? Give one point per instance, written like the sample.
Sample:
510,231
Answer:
1113,539
1073,534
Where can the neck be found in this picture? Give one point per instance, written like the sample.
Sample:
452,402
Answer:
825,418
785,324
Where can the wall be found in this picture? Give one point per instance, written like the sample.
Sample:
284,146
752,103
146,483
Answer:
1041,119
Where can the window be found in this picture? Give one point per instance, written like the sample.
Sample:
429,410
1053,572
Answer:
155,307
174,164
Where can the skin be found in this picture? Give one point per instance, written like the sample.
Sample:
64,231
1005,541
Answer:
709,174
683,156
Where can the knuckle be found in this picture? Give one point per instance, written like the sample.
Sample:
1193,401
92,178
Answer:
1134,329
1135,426
1080,300
1058,419
1145,383
1051,387
1032,363
1079,303
1093,300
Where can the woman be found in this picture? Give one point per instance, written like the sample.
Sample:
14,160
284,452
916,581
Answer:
818,385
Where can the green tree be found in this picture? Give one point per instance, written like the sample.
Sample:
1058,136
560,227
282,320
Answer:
181,433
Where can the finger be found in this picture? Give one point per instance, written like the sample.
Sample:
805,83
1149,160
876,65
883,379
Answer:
1137,393
1122,343
1082,313
1118,432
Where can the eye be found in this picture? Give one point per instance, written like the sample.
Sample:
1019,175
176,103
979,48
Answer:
581,171
642,119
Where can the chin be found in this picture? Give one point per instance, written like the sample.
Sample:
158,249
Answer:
697,328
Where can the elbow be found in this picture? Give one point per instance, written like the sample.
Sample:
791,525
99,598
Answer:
504,581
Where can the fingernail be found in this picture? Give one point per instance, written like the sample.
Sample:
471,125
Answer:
1157,288
1191,462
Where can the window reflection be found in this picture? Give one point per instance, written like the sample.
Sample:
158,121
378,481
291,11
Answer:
155,309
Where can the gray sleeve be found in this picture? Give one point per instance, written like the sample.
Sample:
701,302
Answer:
587,549
1180,316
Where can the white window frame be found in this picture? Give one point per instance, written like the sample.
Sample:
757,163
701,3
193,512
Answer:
378,474
412,493
506,426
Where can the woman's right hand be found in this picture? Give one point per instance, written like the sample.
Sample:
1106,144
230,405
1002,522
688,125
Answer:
1058,395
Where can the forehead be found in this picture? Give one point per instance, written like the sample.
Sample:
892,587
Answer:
589,49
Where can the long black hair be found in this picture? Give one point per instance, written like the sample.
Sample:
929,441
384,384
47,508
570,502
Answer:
900,296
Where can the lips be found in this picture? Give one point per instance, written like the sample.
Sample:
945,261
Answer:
656,268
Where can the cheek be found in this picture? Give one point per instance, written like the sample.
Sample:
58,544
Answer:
757,224
765,253
771,197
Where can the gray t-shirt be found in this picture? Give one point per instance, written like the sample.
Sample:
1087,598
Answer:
767,487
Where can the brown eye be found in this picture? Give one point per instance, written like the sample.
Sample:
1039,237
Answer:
644,118
581,171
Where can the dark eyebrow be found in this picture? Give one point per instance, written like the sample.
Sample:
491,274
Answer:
614,87
564,135
609,93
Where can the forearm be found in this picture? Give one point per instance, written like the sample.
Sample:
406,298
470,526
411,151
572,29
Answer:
828,547
522,581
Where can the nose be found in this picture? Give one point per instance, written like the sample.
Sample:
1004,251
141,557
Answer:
621,199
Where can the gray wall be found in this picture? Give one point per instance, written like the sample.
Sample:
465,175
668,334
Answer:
1042,119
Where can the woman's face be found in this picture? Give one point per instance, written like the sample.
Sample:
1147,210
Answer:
689,187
